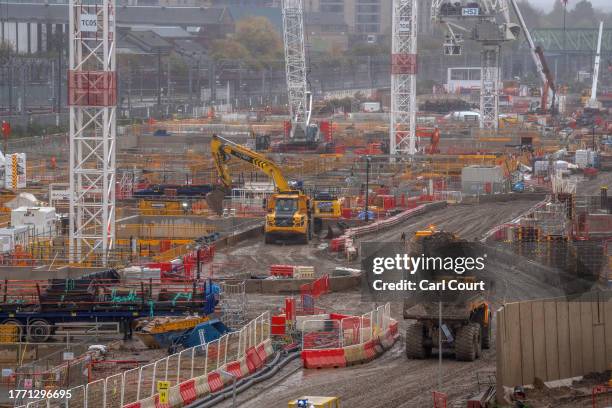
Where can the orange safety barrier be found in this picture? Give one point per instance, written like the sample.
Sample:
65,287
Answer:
316,288
440,399
278,325
188,391
261,352
393,328
252,359
244,369
159,404
269,349
285,271
311,358
378,346
234,369
388,339
175,399
327,358
370,351
214,381
337,244
601,396
201,386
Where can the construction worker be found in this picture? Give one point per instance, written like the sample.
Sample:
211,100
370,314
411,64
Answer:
403,237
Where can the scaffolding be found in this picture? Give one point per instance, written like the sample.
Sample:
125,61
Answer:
552,220
233,304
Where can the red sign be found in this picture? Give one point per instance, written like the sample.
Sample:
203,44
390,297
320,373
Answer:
6,129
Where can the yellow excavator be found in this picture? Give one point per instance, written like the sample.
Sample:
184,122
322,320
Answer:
289,210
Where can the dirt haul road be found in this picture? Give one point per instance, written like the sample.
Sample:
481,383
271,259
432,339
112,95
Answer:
392,380
469,221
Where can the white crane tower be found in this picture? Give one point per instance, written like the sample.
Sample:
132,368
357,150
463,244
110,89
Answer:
300,98
592,102
487,32
92,97
402,132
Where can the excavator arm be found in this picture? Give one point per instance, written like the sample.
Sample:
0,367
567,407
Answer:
222,151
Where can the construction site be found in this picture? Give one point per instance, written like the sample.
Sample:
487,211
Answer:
201,254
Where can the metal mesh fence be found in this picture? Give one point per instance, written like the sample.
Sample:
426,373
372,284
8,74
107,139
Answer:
348,331
138,383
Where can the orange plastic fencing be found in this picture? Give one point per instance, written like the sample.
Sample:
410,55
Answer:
439,399
602,396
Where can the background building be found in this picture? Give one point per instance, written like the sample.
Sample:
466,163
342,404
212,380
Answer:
367,20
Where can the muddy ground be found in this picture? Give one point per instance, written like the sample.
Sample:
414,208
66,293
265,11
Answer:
391,380
469,221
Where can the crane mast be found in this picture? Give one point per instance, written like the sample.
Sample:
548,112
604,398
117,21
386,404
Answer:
592,102
300,100
403,79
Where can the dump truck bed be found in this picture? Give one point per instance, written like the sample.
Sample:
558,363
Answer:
450,311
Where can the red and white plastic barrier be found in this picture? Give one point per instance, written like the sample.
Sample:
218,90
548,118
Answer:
282,271
345,241
196,388
351,355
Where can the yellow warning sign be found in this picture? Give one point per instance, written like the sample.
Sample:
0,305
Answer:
14,178
162,389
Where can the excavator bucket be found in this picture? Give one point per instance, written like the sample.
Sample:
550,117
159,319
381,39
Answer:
214,199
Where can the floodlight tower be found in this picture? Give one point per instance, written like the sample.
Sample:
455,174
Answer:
402,131
92,97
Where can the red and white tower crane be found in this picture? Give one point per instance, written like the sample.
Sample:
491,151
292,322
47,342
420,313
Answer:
402,133
92,97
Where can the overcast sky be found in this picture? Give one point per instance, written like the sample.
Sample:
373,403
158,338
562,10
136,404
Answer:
548,4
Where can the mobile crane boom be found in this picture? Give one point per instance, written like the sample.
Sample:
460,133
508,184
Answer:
537,54
592,102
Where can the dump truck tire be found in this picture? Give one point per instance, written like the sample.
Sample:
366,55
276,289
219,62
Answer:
486,335
414,342
268,239
467,342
